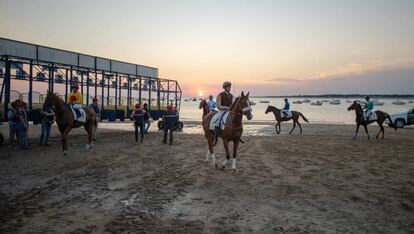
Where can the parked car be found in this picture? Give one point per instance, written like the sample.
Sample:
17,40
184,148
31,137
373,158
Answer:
402,119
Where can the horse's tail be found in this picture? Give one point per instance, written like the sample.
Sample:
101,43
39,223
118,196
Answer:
304,118
390,120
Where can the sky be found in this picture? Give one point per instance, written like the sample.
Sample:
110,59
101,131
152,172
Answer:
265,47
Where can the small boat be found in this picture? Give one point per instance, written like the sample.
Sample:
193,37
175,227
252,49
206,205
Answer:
297,102
317,103
252,103
335,102
377,102
398,102
348,101
264,101
306,101
410,101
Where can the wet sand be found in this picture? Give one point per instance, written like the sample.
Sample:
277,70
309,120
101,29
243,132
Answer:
318,182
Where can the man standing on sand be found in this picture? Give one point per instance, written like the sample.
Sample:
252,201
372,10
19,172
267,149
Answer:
224,101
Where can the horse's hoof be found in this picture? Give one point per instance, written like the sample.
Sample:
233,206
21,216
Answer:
223,167
65,153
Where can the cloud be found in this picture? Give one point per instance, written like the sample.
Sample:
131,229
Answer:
284,80
360,50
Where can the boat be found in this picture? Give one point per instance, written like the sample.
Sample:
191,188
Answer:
306,101
252,103
398,102
317,103
377,102
297,102
348,101
264,101
410,101
335,102
325,100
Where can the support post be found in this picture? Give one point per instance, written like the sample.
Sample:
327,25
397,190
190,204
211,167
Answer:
31,85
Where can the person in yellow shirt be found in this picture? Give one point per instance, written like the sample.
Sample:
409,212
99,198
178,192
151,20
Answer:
75,92
76,99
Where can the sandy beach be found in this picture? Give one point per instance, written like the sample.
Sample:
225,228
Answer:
318,182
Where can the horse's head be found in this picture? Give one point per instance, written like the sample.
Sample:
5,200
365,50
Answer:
51,101
243,104
203,103
268,109
354,106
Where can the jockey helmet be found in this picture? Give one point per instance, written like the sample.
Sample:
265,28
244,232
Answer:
22,103
95,99
75,86
226,83
367,97
73,98
137,105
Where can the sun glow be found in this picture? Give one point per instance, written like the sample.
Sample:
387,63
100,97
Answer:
200,93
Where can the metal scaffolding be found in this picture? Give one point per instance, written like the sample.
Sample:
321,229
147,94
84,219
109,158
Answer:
95,75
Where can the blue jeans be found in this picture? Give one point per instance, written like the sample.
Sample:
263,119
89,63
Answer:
147,124
44,136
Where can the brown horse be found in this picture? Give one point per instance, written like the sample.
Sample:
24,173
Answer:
381,117
232,131
203,105
65,121
295,117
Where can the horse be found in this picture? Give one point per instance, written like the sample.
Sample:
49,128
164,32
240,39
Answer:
295,117
203,105
360,120
233,129
65,120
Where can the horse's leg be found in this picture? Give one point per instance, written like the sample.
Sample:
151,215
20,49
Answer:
366,130
235,145
278,125
294,126
300,127
226,147
356,132
89,130
65,140
382,130
210,152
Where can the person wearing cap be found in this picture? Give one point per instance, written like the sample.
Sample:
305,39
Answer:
22,126
368,107
169,119
285,109
211,104
138,116
224,101
94,106
75,92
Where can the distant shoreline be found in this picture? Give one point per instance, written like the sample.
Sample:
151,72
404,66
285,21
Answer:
341,96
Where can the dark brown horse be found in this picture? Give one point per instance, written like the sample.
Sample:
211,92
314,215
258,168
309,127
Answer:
203,105
65,121
360,120
295,117
232,131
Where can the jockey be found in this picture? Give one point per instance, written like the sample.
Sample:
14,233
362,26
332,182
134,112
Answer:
369,106
75,106
211,104
285,109
75,92
224,101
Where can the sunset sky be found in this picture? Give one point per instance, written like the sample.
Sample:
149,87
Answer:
265,47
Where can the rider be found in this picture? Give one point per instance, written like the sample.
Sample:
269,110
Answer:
285,109
369,106
211,104
224,101
76,105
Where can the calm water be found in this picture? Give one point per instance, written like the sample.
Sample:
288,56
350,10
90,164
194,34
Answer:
316,114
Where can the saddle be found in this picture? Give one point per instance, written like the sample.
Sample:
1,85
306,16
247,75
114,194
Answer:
371,116
78,114
286,114
219,119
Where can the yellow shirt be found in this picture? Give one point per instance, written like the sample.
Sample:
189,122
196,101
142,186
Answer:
78,95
